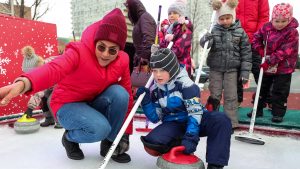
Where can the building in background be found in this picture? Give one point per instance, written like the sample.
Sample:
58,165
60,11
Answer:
6,9
86,12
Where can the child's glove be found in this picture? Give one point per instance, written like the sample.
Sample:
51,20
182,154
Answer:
154,48
147,99
265,66
244,77
190,143
169,37
207,37
181,20
261,52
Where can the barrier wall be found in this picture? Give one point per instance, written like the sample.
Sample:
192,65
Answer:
15,34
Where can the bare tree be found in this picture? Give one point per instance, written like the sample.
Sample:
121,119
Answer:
36,5
200,14
40,8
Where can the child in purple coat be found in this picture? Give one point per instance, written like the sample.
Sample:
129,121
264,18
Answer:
280,61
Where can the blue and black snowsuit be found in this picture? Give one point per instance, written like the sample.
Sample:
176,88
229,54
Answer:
172,105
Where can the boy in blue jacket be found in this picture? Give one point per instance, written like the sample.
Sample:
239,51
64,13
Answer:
174,99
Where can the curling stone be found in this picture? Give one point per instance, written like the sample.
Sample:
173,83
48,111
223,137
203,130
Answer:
26,125
176,159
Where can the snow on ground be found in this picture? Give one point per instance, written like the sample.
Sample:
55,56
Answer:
43,150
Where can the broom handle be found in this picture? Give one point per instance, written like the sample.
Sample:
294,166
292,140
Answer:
127,121
212,22
261,72
158,24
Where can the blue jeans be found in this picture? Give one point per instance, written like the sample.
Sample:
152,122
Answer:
97,120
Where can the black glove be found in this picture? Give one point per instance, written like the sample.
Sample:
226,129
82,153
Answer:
28,112
207,37
147,99
190,143
244,77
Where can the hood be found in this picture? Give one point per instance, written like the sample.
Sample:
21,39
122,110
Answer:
88,35
293,24
135,10
182,76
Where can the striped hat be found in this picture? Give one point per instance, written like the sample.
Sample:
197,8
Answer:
165,59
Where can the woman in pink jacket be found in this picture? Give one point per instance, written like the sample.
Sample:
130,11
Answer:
93,89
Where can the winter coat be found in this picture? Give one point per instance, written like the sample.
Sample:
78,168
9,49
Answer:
78,75
144,30
282,46
182,43
231,50
174,102
252,15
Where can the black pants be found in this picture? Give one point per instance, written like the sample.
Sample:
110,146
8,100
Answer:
240,89
280,93
130,50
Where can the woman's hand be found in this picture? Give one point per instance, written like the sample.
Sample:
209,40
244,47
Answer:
10,91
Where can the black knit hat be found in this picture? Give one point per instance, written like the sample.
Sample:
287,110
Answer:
165,59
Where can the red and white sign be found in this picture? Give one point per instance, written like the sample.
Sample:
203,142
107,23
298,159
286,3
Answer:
15,34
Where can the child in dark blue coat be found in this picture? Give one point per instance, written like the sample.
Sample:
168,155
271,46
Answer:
174,99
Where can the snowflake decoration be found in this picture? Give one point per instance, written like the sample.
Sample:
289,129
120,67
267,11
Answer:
16,53
49,48
1,50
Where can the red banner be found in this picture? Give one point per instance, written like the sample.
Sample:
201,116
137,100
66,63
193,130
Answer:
15,34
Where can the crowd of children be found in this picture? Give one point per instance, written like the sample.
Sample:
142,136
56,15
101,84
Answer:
173,99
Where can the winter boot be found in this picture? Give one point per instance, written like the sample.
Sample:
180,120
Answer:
212,166
212,104
120,158
259,113
58,126
277,119
72,148
48,121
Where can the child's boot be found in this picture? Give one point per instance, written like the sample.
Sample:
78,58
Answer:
48,121
212,166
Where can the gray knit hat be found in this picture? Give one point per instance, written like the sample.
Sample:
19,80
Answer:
165,59
30,60
179,7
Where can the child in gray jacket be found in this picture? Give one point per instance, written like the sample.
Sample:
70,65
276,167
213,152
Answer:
230,52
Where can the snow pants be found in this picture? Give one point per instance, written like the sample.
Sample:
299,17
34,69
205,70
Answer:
280,92
227,81
215,125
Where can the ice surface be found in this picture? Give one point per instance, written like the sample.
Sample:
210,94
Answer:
43,150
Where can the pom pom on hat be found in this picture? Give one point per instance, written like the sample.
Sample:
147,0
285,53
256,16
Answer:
165,59
113,28
282,10
179,7
224,7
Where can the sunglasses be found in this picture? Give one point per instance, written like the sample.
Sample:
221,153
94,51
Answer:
111,51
